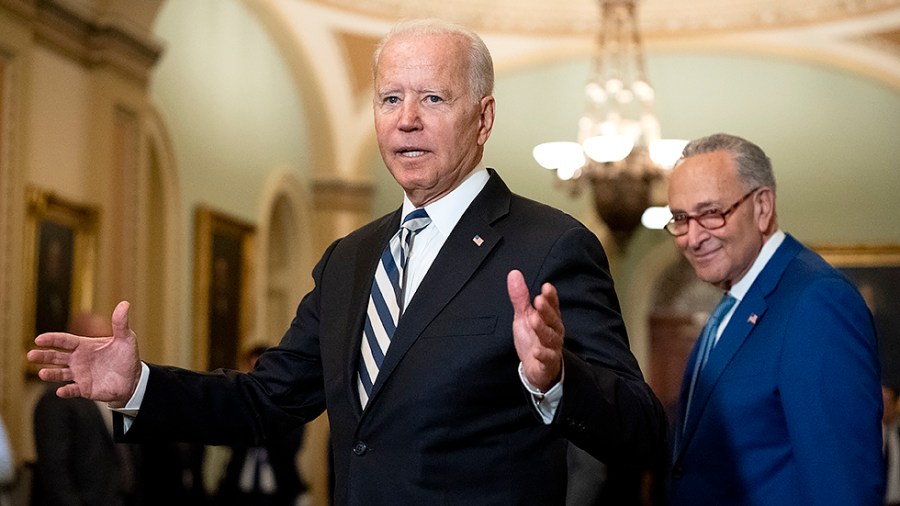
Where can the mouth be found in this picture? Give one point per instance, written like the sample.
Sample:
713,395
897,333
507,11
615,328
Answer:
704,256
411,152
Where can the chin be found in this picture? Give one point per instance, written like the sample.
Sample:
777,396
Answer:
708,275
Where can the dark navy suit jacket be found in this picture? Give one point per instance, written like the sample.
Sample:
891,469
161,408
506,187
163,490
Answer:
788,408
448,421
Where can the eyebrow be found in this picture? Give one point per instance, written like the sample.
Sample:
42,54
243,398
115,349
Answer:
699,207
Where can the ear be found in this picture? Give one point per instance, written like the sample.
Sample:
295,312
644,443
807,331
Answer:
487,105
764,209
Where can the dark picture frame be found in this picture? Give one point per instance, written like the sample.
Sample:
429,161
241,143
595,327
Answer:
60,255
223,280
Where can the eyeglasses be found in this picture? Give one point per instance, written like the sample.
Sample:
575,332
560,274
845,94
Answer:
710,219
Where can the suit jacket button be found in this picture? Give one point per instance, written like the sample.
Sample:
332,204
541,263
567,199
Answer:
360,448
677,472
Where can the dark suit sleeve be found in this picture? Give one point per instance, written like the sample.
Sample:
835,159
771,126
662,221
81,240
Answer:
829,385
285,390
607,408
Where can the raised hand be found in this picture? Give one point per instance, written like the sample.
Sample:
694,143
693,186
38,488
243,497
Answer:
99,368
538,331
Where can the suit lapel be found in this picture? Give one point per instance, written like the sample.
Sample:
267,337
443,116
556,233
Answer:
455,264
746,316
730,342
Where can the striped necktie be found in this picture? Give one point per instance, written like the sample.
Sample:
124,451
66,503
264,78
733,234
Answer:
705,344
386,301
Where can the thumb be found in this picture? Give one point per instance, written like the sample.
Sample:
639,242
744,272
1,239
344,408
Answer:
120,320
518,292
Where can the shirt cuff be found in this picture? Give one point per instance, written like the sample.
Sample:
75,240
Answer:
130,409
544,402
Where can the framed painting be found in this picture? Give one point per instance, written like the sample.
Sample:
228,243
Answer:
876,272
223,310
60,255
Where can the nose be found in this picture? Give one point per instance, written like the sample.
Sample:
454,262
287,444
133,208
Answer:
695,235
409,116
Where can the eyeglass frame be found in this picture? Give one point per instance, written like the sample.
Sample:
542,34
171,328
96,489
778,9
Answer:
707,214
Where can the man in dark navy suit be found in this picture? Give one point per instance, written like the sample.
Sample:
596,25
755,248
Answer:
510,343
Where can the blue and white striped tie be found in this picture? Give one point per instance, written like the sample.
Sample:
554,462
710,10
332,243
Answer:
386,301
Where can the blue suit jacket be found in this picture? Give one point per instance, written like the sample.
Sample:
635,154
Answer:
788,408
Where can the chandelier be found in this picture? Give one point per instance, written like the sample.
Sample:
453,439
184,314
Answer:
619,153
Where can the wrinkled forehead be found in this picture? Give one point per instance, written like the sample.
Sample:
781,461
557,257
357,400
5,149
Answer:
424,51
706,178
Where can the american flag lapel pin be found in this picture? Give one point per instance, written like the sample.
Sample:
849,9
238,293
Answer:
752,318
478,240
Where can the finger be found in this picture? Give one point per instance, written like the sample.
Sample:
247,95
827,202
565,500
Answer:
547,336
518,292
551,295
51,357
69,390
59,340
55,374
547,306
120,320
546,356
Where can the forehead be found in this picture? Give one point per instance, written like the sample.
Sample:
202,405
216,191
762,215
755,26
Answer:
420,56
704,179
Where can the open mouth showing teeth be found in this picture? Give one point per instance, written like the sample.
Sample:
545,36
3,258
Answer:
411,153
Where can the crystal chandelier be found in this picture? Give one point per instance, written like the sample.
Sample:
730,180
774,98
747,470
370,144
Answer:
619,152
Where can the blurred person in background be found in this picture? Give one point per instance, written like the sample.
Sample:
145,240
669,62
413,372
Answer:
263,475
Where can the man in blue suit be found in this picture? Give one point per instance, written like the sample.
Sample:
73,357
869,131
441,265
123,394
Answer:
780,401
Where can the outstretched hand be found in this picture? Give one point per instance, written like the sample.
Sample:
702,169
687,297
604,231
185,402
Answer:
538,331
103,369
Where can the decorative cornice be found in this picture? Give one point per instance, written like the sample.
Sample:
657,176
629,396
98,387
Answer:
334,193
579,17
91,40
342,185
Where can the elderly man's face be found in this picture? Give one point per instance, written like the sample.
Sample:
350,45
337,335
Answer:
431,129
710,181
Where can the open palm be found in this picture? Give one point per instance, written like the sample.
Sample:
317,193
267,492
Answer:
103,369
537,331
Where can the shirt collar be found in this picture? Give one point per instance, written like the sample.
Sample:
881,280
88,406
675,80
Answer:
446,211
739,289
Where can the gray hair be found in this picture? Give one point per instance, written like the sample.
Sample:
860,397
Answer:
753,165
481,65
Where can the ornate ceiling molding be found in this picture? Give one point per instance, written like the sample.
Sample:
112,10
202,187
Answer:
657,17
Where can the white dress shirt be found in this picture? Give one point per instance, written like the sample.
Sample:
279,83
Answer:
739,289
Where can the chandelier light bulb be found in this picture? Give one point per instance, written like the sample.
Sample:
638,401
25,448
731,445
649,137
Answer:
643,91
624,96
595,92
655,218
565,155
567,173
665,152
613,86
650,128
608,148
